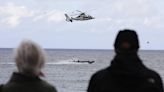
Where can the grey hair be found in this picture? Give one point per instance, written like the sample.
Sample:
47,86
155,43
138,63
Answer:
29,57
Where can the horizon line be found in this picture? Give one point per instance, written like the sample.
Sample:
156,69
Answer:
85,49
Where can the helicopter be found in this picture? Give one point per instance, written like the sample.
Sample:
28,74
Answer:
81,17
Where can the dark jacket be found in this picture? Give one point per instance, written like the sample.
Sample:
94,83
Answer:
1,87
24,83
126,74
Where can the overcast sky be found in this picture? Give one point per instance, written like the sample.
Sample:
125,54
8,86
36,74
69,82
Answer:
43,21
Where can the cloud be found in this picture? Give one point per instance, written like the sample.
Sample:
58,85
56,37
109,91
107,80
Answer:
133,8
133,13
154,22
140,12
55,16
11,21
49,16
12,14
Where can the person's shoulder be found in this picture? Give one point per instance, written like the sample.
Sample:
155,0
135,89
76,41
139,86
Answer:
153,74
101,73
48,86
1,85
155,81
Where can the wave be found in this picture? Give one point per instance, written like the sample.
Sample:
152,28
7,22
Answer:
69,61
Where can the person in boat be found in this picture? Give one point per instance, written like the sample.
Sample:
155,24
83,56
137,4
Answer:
29,59
126,73
78,61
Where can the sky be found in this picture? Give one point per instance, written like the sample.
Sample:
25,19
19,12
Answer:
43,21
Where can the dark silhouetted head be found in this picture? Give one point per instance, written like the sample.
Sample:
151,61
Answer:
126,41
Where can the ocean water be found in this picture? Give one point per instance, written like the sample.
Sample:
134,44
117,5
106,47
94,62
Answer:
68,76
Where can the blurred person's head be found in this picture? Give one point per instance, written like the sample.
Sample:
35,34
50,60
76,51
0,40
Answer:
126,41
29,58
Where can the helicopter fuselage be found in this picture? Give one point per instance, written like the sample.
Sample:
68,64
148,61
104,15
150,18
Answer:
81,17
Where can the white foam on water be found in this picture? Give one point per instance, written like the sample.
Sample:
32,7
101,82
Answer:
69,61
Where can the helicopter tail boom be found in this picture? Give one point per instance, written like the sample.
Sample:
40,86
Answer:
68,18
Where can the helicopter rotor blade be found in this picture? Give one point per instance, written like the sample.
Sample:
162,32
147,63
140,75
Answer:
90,10
74,14
79,11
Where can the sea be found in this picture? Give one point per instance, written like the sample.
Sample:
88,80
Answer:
69,76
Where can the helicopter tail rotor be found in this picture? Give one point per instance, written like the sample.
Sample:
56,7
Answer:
68,18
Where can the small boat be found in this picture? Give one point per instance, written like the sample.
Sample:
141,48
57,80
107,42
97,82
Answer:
83,61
